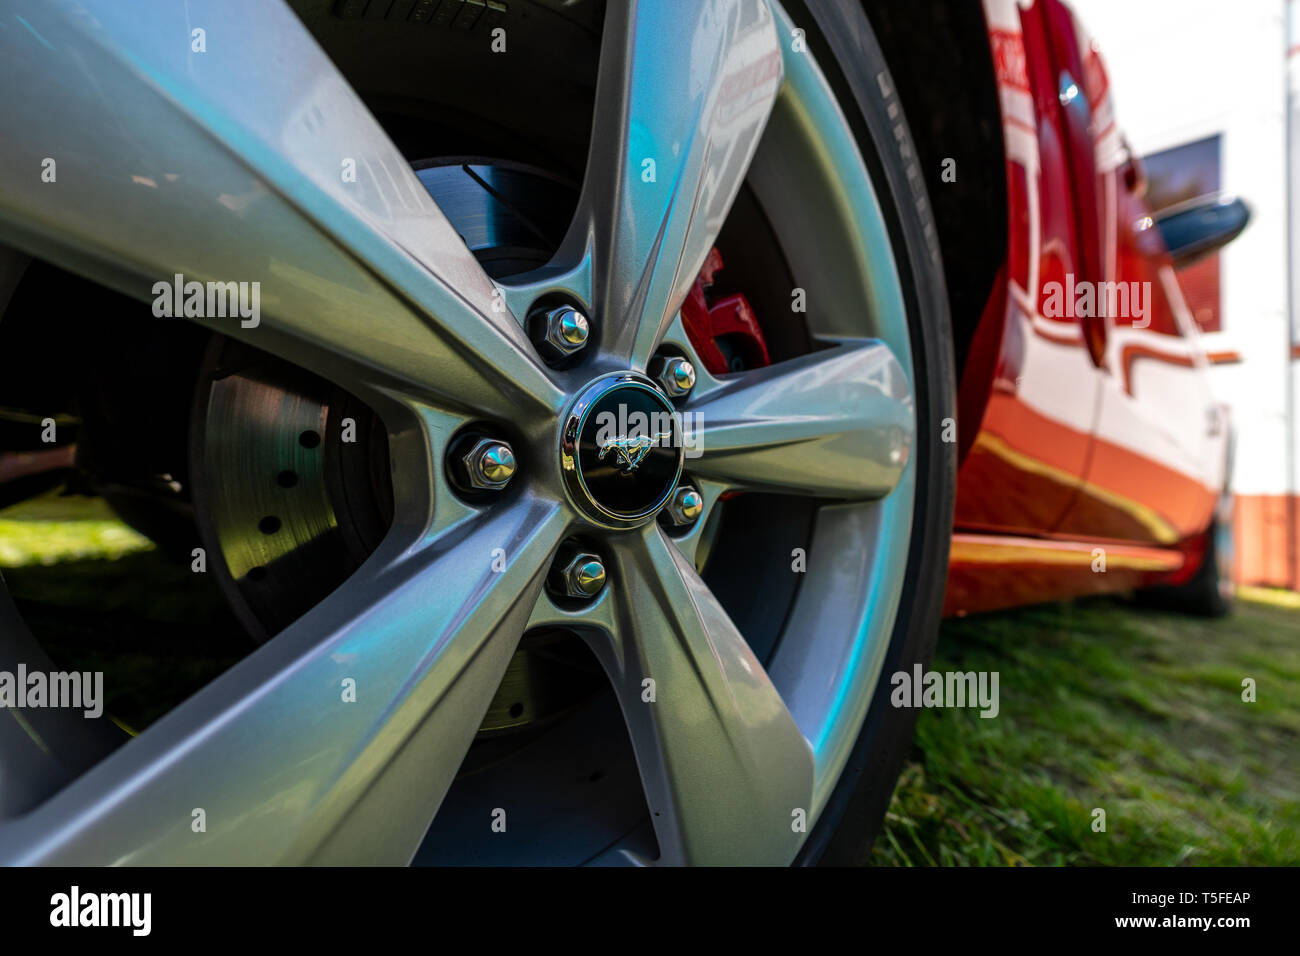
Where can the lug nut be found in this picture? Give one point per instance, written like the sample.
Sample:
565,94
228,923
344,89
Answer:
560,332
675,375
489,465
684,506
584,576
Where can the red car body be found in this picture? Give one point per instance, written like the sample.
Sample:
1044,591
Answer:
1093,454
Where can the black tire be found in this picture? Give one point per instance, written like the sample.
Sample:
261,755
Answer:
841,38
1208,592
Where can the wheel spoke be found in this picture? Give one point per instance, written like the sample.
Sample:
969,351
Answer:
285,768
251,161
725,769
837,423
671,144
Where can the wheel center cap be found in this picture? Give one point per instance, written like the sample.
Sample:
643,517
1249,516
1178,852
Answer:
621,450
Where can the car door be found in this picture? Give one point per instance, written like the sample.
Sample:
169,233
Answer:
1026,462
1157,438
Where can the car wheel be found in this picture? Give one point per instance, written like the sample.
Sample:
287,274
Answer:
574,646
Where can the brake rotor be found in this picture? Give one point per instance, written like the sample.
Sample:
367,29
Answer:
291,507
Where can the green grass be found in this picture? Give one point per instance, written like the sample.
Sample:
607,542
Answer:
1104,705
100,597
54,528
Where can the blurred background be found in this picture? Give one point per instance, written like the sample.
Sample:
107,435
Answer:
1209,94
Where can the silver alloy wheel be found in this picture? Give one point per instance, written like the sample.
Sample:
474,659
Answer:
184,169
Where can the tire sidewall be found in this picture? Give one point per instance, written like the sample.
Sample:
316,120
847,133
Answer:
841,37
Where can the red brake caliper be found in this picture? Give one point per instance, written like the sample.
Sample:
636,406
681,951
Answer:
723,331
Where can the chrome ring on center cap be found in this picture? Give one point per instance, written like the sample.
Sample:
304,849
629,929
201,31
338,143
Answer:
621,450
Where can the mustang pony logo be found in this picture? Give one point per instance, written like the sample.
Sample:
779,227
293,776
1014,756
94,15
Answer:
629,452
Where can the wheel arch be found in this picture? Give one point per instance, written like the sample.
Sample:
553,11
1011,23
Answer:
942,67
